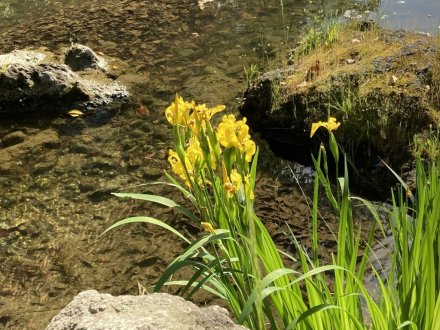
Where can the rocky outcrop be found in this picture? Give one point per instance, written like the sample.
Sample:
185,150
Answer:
91,310
37,81
382,85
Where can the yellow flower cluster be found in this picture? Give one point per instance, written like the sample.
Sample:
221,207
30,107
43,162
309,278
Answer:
330,124
190,115
193,154
192,121
232,133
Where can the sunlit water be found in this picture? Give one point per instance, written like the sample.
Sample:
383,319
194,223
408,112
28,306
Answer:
418,15
55,202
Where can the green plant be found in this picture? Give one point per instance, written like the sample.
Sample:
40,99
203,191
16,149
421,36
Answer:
427,144
412,295
344,101
237,254
251,74
237,260
322,35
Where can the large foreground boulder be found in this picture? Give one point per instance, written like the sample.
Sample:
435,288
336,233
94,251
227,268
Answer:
91,310
384,86
39,81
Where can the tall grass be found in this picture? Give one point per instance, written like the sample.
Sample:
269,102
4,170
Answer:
237,260
413,291
322,35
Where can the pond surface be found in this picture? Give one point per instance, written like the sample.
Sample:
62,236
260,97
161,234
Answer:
55,198
418,15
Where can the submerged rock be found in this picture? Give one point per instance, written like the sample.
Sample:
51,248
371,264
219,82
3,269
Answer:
382,85
160,311
13,138
36,81
11,154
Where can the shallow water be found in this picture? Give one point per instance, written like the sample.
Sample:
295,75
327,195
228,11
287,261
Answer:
55,200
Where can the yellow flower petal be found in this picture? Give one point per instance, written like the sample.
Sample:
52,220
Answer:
249,150
315,127
236,180
330,125
208,227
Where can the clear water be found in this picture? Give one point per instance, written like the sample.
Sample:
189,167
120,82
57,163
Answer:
55,202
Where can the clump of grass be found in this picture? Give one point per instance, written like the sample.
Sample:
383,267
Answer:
411,296
251,74
322,35
345,101
427,144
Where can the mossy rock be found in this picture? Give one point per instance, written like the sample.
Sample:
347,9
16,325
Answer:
384,87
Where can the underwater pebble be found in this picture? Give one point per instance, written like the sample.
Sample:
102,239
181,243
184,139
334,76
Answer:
151,173
186,52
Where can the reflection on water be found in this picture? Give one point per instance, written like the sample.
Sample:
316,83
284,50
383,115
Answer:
55,187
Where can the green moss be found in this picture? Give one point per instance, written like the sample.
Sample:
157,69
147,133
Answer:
384,86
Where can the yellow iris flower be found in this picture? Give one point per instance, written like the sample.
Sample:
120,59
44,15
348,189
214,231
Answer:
178,112
226,133
232,133
232,182
208,227
330,125
176,164
249,150
189,114
193,151
202,112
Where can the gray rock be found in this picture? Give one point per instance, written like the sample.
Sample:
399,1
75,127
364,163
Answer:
21,57
80,57
32,81
159,311
13,138
21,81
